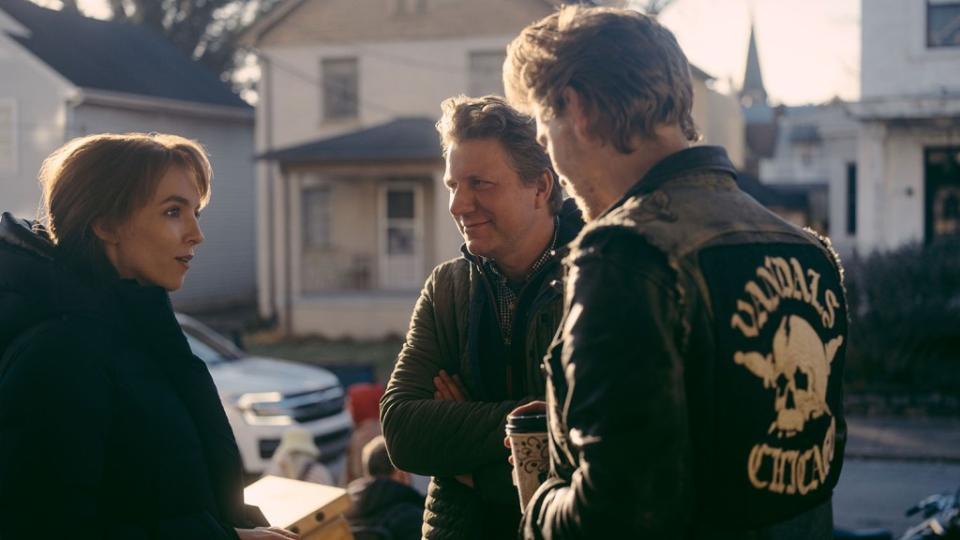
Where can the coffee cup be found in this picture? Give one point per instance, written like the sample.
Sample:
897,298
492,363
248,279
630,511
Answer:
528,446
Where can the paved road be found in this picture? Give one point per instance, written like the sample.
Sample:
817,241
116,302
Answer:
908,439
875,493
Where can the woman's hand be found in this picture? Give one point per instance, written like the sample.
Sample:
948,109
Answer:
266,533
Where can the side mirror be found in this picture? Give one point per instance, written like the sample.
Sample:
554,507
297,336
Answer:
237,338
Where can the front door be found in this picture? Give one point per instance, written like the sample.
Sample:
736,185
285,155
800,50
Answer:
401,235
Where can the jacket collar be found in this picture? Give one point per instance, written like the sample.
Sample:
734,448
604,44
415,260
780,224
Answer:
690,160
22,234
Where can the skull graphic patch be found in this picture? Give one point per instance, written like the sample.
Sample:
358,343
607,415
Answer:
780,327
798,370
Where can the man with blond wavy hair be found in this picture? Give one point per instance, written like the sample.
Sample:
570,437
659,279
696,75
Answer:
694,388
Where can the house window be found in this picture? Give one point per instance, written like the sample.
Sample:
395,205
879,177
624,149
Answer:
851,199
340,88
943,23
8,134
486,73
401,235
316,218
401,227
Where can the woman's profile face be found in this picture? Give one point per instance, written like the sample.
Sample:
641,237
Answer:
155,245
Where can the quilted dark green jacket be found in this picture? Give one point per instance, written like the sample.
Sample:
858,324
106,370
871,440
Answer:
443,439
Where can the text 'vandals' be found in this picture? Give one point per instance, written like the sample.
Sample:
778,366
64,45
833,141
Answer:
776,280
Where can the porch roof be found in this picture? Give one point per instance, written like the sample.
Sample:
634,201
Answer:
401,139
781,196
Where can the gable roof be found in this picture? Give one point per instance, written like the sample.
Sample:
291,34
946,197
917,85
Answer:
115,56
402,139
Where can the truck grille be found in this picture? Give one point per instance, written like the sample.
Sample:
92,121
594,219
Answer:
332,445
310,406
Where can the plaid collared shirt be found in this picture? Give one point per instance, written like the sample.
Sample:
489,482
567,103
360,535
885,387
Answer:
507,294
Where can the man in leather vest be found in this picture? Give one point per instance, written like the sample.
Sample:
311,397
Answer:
694,389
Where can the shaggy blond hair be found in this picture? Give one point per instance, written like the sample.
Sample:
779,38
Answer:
491,117
627,69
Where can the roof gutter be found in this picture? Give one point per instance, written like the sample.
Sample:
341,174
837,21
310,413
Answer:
90,96
918,107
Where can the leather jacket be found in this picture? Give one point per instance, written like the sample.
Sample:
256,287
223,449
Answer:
694,390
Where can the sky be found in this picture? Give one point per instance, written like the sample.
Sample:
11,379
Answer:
809,49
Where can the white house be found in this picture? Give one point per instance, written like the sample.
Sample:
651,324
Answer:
908,156
65,75
815,156
352,210
799,159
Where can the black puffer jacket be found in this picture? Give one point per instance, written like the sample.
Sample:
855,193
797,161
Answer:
109,426
383,504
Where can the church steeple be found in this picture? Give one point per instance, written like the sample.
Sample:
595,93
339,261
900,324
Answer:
752,91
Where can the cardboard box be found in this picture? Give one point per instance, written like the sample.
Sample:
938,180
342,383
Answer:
312,510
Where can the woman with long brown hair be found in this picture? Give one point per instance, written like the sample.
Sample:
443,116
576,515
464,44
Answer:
109,426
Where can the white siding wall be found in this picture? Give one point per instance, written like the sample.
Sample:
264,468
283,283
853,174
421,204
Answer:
723,124
841,150
224,271
395,79
833,125
39,97
830,155
896,61
891,197
719,119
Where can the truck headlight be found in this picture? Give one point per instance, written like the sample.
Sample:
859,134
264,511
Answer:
264,408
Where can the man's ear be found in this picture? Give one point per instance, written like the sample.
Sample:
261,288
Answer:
545,186
107,233
575,110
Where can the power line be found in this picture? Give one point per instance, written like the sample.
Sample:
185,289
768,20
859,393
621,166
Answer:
323,85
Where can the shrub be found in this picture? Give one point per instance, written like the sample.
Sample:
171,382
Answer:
905,319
